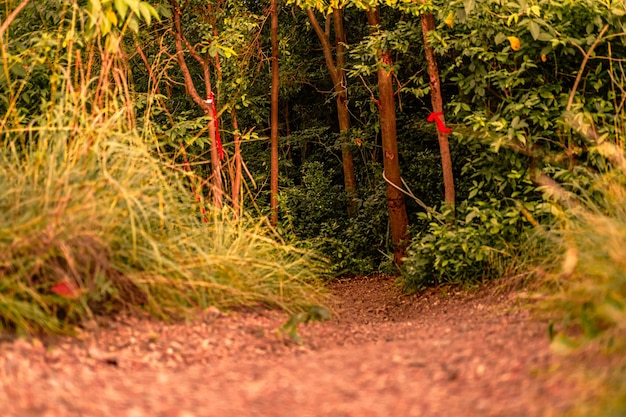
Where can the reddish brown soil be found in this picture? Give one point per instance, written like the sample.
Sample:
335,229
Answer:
385,354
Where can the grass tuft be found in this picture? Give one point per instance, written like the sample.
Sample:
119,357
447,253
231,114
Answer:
584,279
114,224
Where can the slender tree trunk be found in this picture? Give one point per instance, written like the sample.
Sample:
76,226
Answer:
216,158
337,74
343,113
236,184
428,24
387,109
274,117
204,105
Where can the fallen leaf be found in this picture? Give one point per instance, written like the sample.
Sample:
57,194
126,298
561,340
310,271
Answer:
65,289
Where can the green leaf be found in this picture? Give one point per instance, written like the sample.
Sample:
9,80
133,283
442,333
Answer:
18,70
134,5
105,27
154,12
133,24
545,37
500,37
122,7
144,10
535,10
95,7
534,29
213,49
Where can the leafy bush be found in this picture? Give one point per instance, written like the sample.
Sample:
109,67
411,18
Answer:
465,251
316,211
486,233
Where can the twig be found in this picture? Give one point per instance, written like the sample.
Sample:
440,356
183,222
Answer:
407,192
583,65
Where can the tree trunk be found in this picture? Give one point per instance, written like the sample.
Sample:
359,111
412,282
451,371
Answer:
428,24
342,112
337,74
387,110
274,117
204,105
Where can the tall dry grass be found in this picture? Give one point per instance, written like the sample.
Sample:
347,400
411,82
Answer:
92,219
584,278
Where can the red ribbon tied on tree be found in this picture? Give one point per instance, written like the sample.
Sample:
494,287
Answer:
218,141
438,119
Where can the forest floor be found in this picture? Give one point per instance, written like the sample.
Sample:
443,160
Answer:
439,353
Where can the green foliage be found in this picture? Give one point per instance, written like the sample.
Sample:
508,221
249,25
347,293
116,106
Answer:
109,18
478,245
515,62
308,206
399,40
486,233
316,211
514,66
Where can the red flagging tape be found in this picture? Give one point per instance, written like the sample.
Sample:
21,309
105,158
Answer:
437,118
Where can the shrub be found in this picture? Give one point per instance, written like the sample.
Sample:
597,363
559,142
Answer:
485,234
316,212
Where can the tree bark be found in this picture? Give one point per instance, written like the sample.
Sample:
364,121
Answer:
274,117
428,24
387,110
336,69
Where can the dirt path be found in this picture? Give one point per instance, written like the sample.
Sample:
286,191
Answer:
385,355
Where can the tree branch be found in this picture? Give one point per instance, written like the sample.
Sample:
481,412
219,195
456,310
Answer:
583,65
326,47
12,16
191,88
